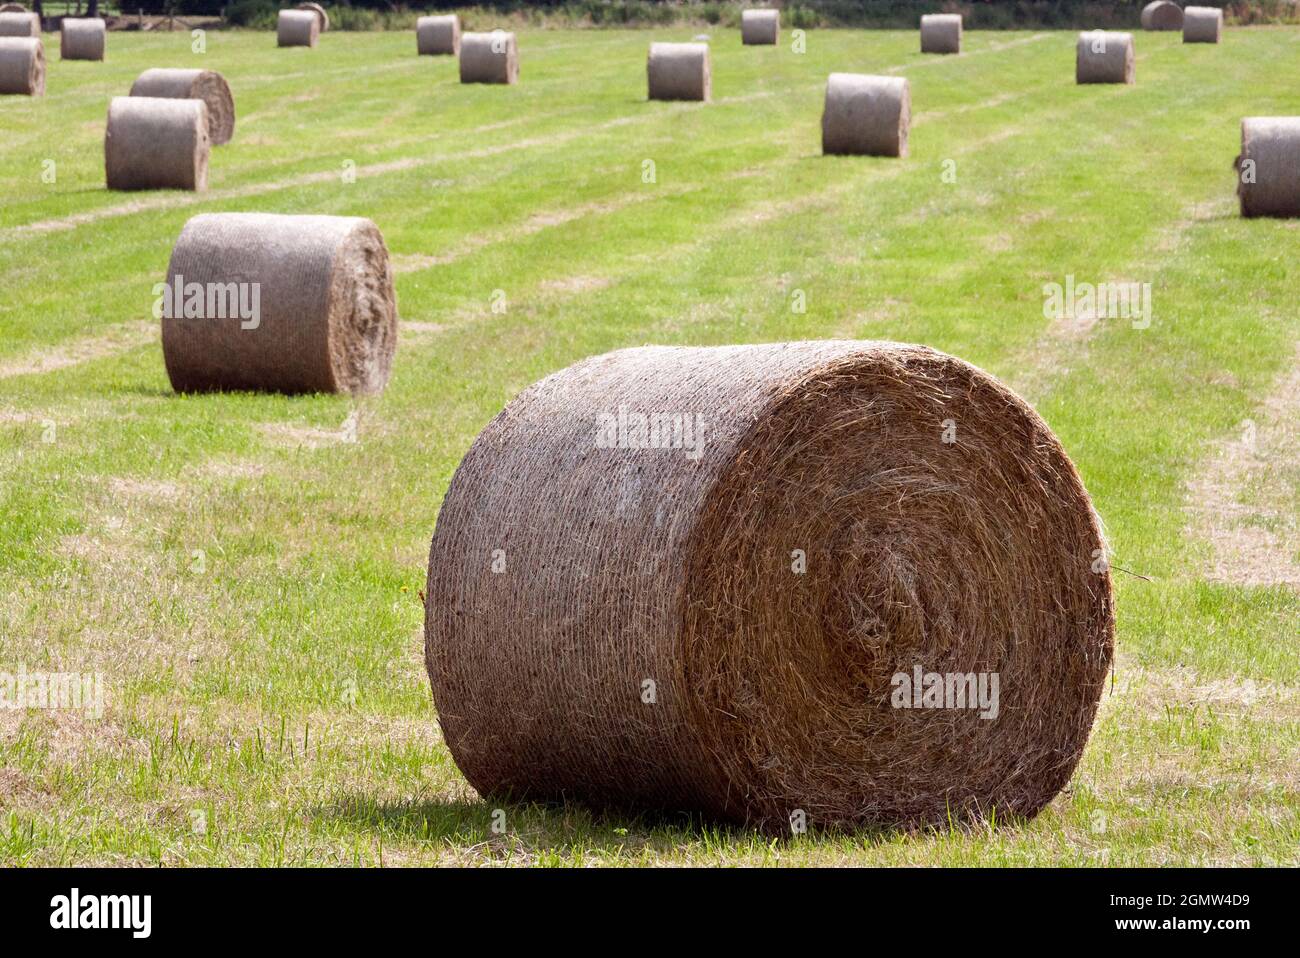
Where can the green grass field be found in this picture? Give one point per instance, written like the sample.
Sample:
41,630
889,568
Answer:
248,582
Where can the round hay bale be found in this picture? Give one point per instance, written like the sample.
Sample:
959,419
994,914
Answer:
12,8
321,15
1268,169
489,57
1104,56
941,33
760,27
325,316
206,85
722,627
1162,15
866,115
435,36
156,144
22,66
20,24
297,28
83,39
1202,24
679,71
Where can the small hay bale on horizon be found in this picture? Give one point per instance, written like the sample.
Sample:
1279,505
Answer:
438,35
489,57
1202,24
760,27
866,115
320,12
1162,15
679,71
297,28
83,39
941,33
1104,56
152,143
191,84
22,66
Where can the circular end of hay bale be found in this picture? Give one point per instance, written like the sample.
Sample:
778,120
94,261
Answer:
22,66
1202,24
438,35
941,33
291,304
152,143
184,84
489,57
1162,15
679,71
18,23
84,39
698,579
1104,56
760,27
866,115
321,15
297,28
1268,169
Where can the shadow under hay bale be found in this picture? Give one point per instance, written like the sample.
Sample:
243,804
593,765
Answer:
866,115
679,71
1268,169
489,57
1162,15
83,39
1202,24
22,66
183,84
297,28
1103,56
156,144
760,27
438,36
941,33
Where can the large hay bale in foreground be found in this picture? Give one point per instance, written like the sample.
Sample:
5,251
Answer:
22,66
1268,169
437,36
1104,56
1202,24
321,15
84,39
156,144
760,27
1162,15
941,33
722,627
679,71
326,311
206,85
866,115
489,57
297,28
20,24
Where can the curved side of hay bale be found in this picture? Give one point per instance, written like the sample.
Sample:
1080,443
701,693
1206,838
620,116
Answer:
316,307
156,144
1268,169
1103,56
679,71
866,115
1202,24
690,578
22,66
20,24
1162,15
320,12
182,84
12,8
297,28
941,33
489,57
84,39
760,27
437,36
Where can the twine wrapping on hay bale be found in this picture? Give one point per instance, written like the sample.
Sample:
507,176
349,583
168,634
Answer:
866,115
1269,184
327,311
489,57
83,39
629,626
435,36
1162,15
206,85
20,24
156,144
679,71
1202,24
297,28
760,27
941,33
22,66
1104,56
321,15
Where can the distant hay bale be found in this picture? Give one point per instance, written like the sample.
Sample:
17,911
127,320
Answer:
1104,56
1162,15
679,71
759,27
435,36
321,15
205,85
156,144
22,66
866,115
316,313
1202,24
297,28
941,33
20,24
696,579
489,57
12,8
1268,169
83,39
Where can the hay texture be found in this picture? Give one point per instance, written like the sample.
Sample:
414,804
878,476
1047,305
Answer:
941,33
20,24
628,626
327,318
1162,15
22,66
760,27
1202,24
321,15
1269,184
83,39
156,144
867,115
679,71
205,85
489,58
437,36
1103,56
297,28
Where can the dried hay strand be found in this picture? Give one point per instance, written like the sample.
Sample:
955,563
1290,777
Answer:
297,28
1104,56
649,641
760,27
866,115
1162,15
22,66
1202,24
489,57
436,36
182,84
326,308
941,33
84,39
17,23
156,144
320,12
679,71
1268,169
